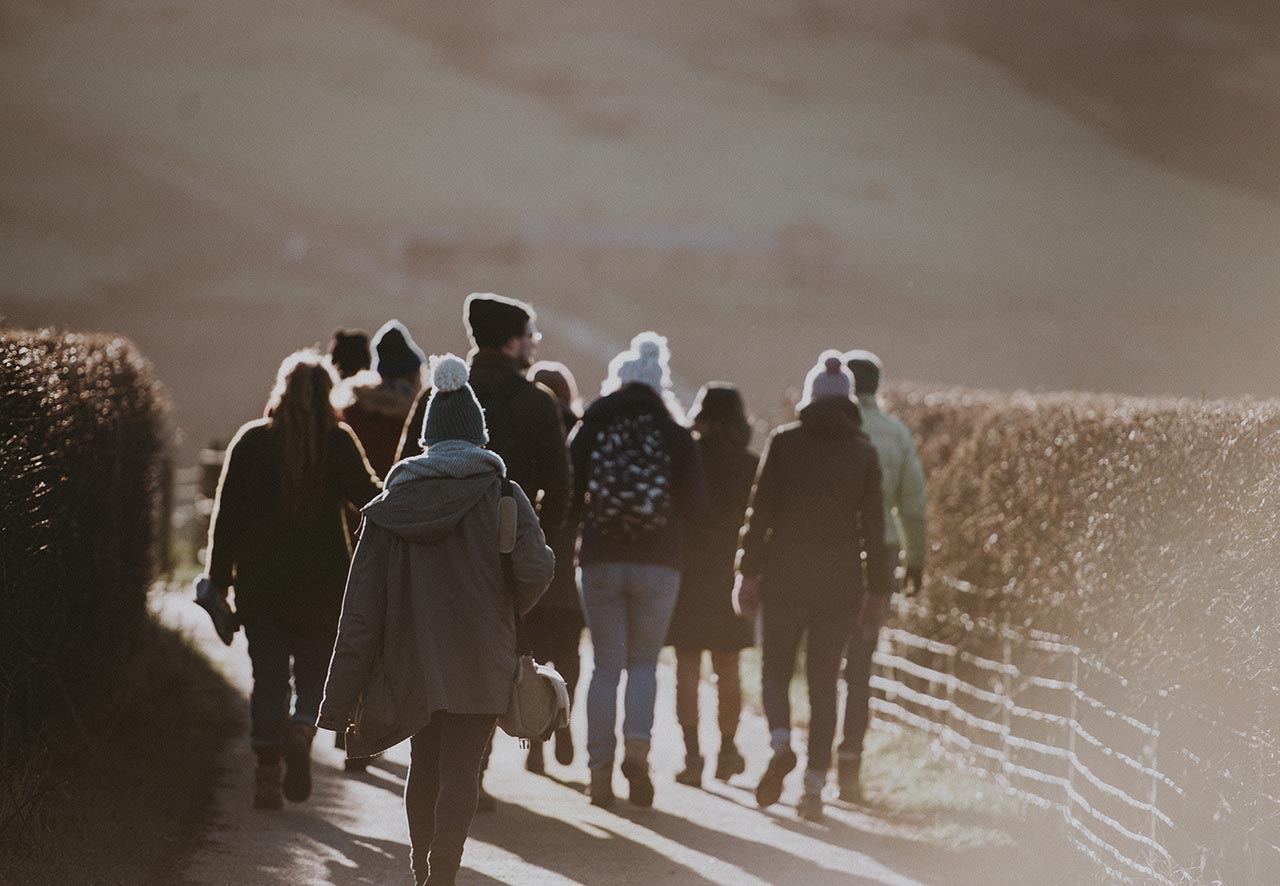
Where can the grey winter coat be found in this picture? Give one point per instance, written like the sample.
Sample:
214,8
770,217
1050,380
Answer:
427,622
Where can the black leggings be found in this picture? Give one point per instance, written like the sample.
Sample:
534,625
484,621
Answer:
441,792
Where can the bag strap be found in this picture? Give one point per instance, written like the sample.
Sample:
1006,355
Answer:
523,646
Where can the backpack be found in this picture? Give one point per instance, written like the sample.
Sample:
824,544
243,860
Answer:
629,479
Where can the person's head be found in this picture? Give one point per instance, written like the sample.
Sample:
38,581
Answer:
558,378
503,324
866,368
349,351
453,412
396,353
719,411
829,379
301,419
646,362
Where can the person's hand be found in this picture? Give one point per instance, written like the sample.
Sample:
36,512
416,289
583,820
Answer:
913,580
334,723
875,609
746,596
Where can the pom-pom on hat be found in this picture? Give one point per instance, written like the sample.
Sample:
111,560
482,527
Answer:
395,351
493,320
829,378
645,363
349,351
453,412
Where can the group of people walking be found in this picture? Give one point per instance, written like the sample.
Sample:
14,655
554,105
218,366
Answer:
648,527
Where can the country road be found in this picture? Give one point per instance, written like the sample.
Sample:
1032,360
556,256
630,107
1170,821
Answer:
544,832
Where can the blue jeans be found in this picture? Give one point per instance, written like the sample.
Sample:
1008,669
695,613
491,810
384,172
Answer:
628,608
272,644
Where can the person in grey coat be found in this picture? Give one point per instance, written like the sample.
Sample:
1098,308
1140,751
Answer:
426,646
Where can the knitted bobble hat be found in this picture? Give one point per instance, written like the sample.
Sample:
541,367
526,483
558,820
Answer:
829,378
645,363
453,412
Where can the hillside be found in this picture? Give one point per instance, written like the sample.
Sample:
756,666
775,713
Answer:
987,193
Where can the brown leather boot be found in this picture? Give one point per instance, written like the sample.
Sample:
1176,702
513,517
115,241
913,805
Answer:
297,761
601,789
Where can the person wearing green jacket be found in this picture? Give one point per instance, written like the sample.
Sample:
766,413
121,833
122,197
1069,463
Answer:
904,539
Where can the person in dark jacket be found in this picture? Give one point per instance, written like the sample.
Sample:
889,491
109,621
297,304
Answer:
556,623
376,403
637,485
426,649
814,514
523,417
278,537
704,617
349,352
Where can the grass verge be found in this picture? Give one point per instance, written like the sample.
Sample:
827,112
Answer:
142,761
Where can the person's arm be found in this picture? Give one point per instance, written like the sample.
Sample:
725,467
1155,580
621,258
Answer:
580,457
360,629
410,443
912,505
553,465
532,561
231,506
758,521
871,528
357,481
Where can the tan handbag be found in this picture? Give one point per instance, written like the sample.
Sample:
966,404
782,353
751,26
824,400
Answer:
539,697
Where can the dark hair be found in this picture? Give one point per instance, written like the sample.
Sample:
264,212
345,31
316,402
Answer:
349,352
866,376
719,411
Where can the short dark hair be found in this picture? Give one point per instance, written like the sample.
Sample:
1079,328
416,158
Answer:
866,370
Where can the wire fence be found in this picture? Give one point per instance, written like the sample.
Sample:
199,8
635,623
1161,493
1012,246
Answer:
1145,785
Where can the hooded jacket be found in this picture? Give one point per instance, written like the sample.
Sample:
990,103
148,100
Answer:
376,409
427,622
525,428
816,510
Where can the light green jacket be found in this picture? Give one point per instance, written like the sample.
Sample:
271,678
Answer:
904,495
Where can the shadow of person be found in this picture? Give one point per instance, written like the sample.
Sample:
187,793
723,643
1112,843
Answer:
556,846
360,861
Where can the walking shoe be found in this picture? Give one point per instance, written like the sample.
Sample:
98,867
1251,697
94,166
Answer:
297,761
635,769
535,762
848,771
266,787
691,775
601,789
769,790
729,763
810,807
564,746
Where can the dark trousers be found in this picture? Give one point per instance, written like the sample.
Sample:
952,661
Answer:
827,624
441,791
272,646
857,678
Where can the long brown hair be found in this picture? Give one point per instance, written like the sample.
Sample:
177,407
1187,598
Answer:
301,421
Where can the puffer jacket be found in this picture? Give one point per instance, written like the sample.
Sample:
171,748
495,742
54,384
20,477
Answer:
428,623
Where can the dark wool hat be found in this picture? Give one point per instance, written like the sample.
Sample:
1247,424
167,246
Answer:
453,412
493,320
397,353
349,351
720,405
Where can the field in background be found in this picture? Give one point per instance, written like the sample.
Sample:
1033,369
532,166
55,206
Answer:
968,188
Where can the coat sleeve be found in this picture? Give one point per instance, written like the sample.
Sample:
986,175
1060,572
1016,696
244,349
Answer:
871,528
912,504
360,629
412,430
231,505
695,507
356,479
553,465
758,520
533,562
580,457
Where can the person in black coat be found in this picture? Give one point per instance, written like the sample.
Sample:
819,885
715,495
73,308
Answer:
704,618
555,624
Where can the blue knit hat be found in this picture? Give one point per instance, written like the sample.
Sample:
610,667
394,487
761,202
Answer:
828,379
453,412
